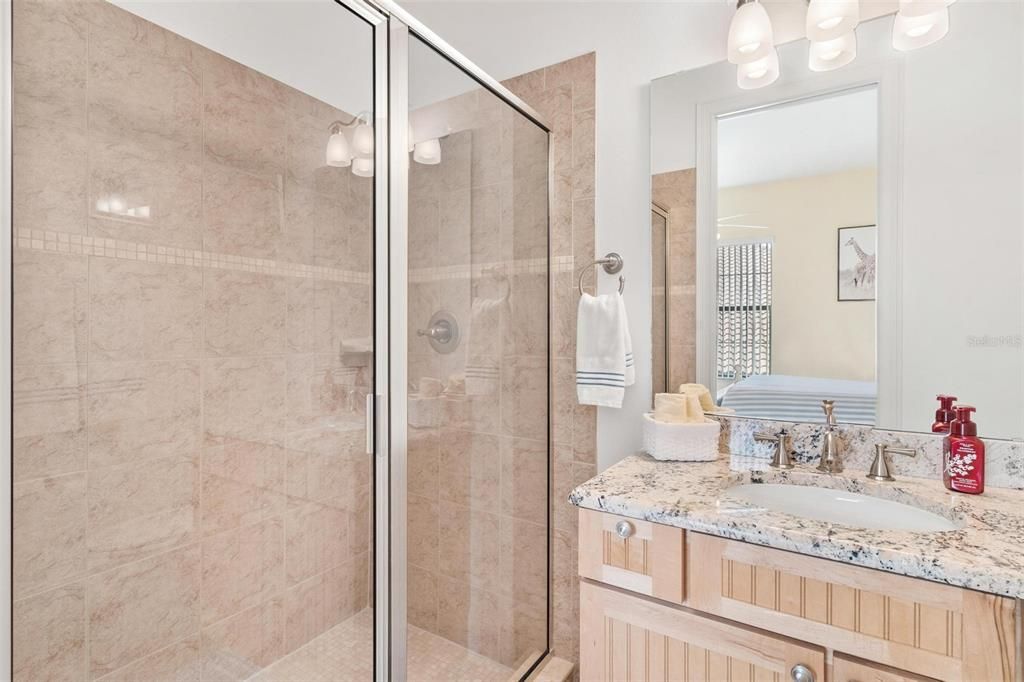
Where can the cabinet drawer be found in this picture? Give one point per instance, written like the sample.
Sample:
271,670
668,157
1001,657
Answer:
922,627
628,638
640,556
845,669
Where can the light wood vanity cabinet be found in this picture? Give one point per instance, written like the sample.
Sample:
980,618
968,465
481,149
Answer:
665,604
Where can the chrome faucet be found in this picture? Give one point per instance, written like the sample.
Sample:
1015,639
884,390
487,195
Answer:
880,467
832,449
781,459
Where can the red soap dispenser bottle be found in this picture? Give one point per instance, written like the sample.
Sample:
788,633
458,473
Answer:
944,415
964,455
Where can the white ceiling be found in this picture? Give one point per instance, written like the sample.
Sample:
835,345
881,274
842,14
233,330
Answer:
813,137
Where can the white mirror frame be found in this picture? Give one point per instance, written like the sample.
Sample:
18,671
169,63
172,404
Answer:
888,78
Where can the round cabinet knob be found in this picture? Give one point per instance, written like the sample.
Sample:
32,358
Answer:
624,529
801,673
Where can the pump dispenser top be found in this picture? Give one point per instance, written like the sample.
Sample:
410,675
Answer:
945,414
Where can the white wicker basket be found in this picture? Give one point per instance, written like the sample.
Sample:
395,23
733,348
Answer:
681,442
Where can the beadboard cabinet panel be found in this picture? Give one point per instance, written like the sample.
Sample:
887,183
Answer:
647,558
628,638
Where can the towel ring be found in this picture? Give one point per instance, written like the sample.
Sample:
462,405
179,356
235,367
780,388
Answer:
612,263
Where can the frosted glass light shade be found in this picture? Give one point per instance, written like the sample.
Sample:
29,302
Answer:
427,152
831,19
362,140
362,167
833,54
910,33
338,154
758,74
918,8
750,34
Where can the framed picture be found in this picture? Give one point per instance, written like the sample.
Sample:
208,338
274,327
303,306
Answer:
856,247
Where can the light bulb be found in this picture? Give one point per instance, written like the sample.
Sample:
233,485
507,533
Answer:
831,19
832,54
338,154
362,167
750,34
427,152
910,33
362,140
760,73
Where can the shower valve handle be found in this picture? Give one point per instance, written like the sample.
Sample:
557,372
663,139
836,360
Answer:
441,331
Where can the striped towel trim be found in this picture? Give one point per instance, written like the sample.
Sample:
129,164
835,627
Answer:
615,379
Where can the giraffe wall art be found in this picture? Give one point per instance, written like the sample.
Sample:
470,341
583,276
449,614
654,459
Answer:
857,247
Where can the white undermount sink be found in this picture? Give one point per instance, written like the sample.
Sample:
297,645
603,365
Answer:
840,506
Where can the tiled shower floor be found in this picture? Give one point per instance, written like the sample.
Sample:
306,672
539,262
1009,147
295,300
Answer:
345,652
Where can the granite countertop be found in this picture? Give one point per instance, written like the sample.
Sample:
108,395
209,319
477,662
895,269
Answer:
985,553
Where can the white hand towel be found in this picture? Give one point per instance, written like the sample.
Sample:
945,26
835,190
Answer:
627,342
600,351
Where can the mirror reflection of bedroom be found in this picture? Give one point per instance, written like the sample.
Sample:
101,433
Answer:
796,258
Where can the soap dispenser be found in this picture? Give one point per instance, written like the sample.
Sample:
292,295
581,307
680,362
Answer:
944,415
963,455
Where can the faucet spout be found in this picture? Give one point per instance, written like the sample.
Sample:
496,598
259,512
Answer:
832,446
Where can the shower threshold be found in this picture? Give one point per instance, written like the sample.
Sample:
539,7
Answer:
345,652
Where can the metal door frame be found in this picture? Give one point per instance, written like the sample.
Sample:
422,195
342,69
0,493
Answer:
392,29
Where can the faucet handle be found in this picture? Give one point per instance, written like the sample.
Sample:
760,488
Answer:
829,406
879,470
781,459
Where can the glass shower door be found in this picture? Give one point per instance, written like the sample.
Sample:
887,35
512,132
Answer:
193,214
477,477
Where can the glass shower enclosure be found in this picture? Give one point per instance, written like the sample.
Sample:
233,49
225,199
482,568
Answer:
280,373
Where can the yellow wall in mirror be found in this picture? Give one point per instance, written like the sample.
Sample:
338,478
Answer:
813,334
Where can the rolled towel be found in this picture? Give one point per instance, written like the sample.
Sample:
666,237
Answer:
707,403
678,408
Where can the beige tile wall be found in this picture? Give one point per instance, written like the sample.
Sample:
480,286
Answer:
190,489
478,453
564,93
675,191
477,478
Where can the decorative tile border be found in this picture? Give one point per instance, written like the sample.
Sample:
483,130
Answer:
62,242
1004,459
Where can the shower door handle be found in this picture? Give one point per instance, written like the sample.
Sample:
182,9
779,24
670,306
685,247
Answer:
371,423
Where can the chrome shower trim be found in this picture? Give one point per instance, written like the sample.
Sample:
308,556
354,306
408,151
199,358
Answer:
443,48
6,308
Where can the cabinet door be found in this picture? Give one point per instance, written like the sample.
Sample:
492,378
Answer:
628,638
635,555
939,631
852,670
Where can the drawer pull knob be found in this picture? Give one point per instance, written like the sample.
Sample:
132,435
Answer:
624,529
801,673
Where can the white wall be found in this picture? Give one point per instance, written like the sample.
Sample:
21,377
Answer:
960,202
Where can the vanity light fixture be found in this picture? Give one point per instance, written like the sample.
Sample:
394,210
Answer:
831,19
339,153
833,54
758,74
427,152
920,23
750,33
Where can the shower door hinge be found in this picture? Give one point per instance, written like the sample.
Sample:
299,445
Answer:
371,423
